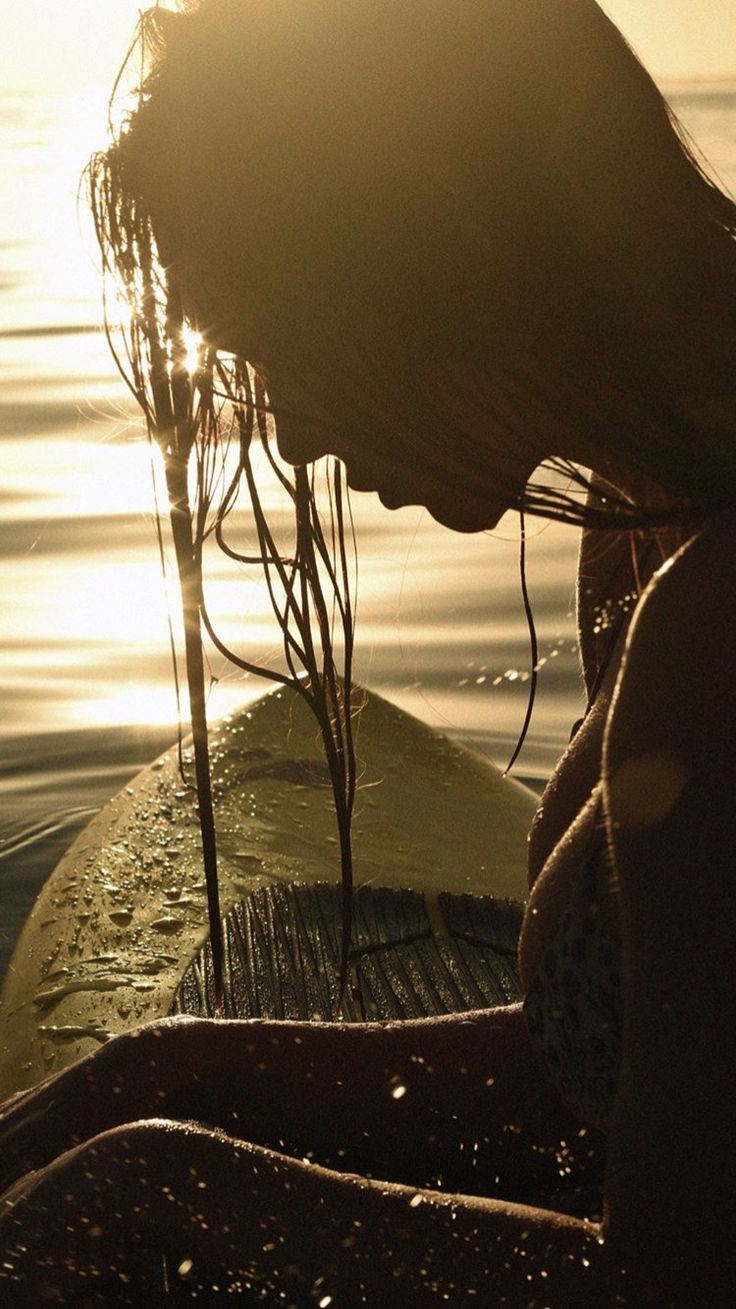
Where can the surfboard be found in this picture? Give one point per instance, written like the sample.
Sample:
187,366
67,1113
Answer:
114,937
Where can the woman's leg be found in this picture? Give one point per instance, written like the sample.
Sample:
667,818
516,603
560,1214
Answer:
455,1102
241,1217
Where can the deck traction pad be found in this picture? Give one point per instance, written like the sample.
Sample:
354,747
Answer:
282,956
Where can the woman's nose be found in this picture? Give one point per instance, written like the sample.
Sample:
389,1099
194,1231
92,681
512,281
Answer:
300,439
303,431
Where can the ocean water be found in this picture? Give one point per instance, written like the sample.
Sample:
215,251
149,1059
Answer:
86,691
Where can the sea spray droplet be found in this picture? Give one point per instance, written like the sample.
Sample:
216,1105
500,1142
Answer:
121,917
167,924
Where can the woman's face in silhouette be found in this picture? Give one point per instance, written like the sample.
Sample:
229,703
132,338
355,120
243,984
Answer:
468,495
444,253
462,501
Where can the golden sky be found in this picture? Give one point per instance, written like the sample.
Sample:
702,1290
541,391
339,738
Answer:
63,44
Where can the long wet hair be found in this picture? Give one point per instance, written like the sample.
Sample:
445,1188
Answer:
445,216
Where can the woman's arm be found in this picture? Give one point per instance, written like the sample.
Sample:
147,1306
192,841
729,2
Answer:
246,1219
455,1102
670,783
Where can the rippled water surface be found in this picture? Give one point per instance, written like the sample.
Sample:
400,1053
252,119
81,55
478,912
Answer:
85,678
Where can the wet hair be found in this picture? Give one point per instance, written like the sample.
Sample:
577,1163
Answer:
441,217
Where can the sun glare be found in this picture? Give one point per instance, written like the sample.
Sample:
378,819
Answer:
133,704
193,343
153,704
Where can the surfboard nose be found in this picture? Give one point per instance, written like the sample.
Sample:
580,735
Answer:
123,916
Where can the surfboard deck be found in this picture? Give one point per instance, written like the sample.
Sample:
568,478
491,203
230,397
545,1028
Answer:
122,920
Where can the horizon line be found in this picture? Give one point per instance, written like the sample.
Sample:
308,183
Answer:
670,80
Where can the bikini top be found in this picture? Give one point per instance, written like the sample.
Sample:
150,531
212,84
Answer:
574,1007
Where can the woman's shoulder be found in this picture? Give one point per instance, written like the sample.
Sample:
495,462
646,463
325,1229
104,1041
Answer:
669,775
669,758
706,545
669,769
675,686
680,638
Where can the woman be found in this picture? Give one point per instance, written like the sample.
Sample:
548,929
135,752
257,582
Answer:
459,238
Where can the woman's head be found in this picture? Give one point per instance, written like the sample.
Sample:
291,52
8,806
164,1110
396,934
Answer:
458,236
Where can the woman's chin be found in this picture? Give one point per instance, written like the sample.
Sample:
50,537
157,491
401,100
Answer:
467,516
458,516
